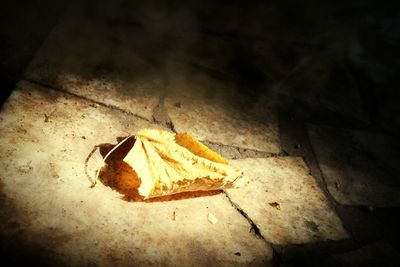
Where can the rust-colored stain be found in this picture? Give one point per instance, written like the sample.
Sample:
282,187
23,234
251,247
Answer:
275,205
21,130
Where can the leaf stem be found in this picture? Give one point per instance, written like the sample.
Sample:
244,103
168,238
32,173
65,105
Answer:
105,158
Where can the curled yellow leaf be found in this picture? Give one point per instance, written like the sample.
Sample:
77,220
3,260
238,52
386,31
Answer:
168,163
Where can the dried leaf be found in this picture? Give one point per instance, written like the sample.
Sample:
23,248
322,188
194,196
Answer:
168,163
197,148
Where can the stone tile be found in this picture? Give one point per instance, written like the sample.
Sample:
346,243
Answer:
252,63
213,110
231,152
323,83
285,202
285,21
379,253
18,46
389,111
45,138
360,167
97,59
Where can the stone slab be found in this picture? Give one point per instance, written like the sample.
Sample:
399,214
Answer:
389,110
213,110
97,59
359,167
256,64
285,202
323,84
45,138
284,21
379,253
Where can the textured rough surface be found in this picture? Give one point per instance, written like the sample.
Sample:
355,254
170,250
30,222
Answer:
225,72
271,60
379,253
360,167
323,83
284,201
211,110
98,60
51,205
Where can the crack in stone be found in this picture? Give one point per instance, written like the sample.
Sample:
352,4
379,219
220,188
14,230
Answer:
235,152
86,164
85,98
298,132
276,258
161,116
254,228
239,152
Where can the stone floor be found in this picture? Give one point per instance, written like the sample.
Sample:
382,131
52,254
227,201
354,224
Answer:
321,183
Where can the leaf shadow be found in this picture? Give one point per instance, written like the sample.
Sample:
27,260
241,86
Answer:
119,176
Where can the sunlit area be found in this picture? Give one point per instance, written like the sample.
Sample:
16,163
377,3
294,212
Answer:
199,133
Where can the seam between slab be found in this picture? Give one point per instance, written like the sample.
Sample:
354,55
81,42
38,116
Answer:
169,125
254,228
321,180
86,99
332,203
322,184
164,118
259,153
276,257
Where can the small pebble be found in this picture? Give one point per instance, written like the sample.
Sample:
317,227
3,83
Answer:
212,219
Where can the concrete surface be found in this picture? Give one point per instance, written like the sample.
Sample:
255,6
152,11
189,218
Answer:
210,109
323,82
360,167
378,253
248,79
92,58
55,207
284,201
